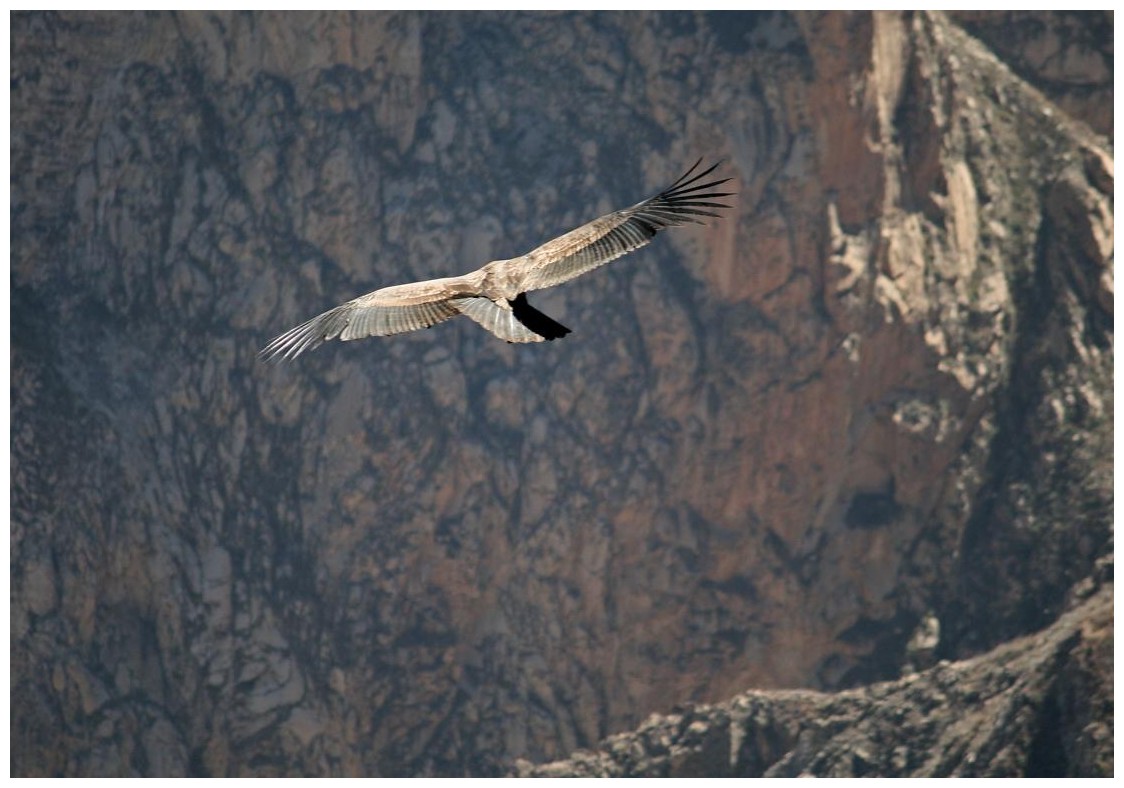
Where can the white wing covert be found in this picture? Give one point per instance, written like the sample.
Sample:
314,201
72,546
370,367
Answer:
501,322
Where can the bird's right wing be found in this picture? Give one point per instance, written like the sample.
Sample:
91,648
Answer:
391,310
618,233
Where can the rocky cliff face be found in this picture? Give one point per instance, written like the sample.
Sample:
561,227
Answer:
862,424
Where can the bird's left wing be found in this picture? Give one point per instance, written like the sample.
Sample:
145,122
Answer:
618,233
391,310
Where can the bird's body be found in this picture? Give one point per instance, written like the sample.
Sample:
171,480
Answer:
495,295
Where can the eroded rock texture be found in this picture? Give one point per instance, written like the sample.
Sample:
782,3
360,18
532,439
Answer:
861,425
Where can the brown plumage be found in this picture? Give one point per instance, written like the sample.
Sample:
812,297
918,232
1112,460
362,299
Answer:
495,295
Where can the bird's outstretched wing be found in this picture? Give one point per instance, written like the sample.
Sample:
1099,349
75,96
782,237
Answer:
391,310
618,233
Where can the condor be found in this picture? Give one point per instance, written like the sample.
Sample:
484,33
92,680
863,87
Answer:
495,296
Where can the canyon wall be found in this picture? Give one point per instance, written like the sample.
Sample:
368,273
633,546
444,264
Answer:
860,425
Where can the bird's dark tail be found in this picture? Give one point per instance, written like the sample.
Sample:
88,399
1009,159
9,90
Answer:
544,326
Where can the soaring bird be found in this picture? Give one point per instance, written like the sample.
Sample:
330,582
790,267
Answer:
495,296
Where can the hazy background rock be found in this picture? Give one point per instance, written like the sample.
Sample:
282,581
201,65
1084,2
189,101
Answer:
1065,54
878,395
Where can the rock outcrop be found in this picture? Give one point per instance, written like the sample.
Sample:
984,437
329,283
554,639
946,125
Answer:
1040,705
860,426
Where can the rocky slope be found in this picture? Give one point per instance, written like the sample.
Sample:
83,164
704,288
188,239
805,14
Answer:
862,424
1040,705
